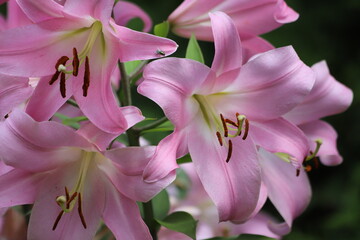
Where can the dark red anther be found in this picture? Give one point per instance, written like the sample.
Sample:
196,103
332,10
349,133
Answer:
75,62
6,116
231,122
54,77
80,211
72,198
229,151
247,125
316,162
86,84
224,125
297,172
57,220
62,61
62,85
219,138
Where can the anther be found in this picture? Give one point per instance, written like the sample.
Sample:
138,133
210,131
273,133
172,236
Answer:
54,77
232,123
219,138
62,85
224,125
86,84
67,198
80,211
62,61
308,168
72,198
229,151
6,116
297,172
57,220
75,62
247,125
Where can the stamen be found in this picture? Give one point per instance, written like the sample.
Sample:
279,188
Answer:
219,138
229,151
72,197
54,77
80,211
232,123
308,168
224,125
57,220
317,148
61,61
297,172
67,198
62,85
75,62
247,125
6,116
86,84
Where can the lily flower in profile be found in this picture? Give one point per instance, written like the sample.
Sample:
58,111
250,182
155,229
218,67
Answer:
71,182
223,113
251,18
74,48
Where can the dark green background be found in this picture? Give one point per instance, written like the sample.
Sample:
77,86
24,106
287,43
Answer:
326,30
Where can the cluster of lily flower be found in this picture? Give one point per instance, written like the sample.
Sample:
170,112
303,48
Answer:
250,122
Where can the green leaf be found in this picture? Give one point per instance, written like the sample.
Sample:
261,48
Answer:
161,205
131,66
72,122
162,29
193,50
180,222
184,159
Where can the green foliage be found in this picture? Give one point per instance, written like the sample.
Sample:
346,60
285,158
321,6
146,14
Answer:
72,122
193,50
131,66
162,29
184,159
180,222
161,205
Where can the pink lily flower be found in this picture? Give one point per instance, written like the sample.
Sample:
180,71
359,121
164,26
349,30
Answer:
328,97
75,48
251,18
221,114
198,203
71,182
291,194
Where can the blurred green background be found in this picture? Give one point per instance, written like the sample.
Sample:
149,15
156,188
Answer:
326,30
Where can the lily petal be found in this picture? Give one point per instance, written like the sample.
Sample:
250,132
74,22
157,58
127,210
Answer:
46,210
40,10
236,193
328,152
140,46
99,9
125,11
18,187
164,160
120,209
228,55
280,136
130,163
268,85
41,150
14,91
289,193
169,82
326,90
43,110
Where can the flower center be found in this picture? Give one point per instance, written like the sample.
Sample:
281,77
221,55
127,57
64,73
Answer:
61,68
225,128
67,202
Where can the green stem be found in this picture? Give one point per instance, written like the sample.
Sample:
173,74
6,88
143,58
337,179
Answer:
151,125
149,218
138,70
133,137
72,103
